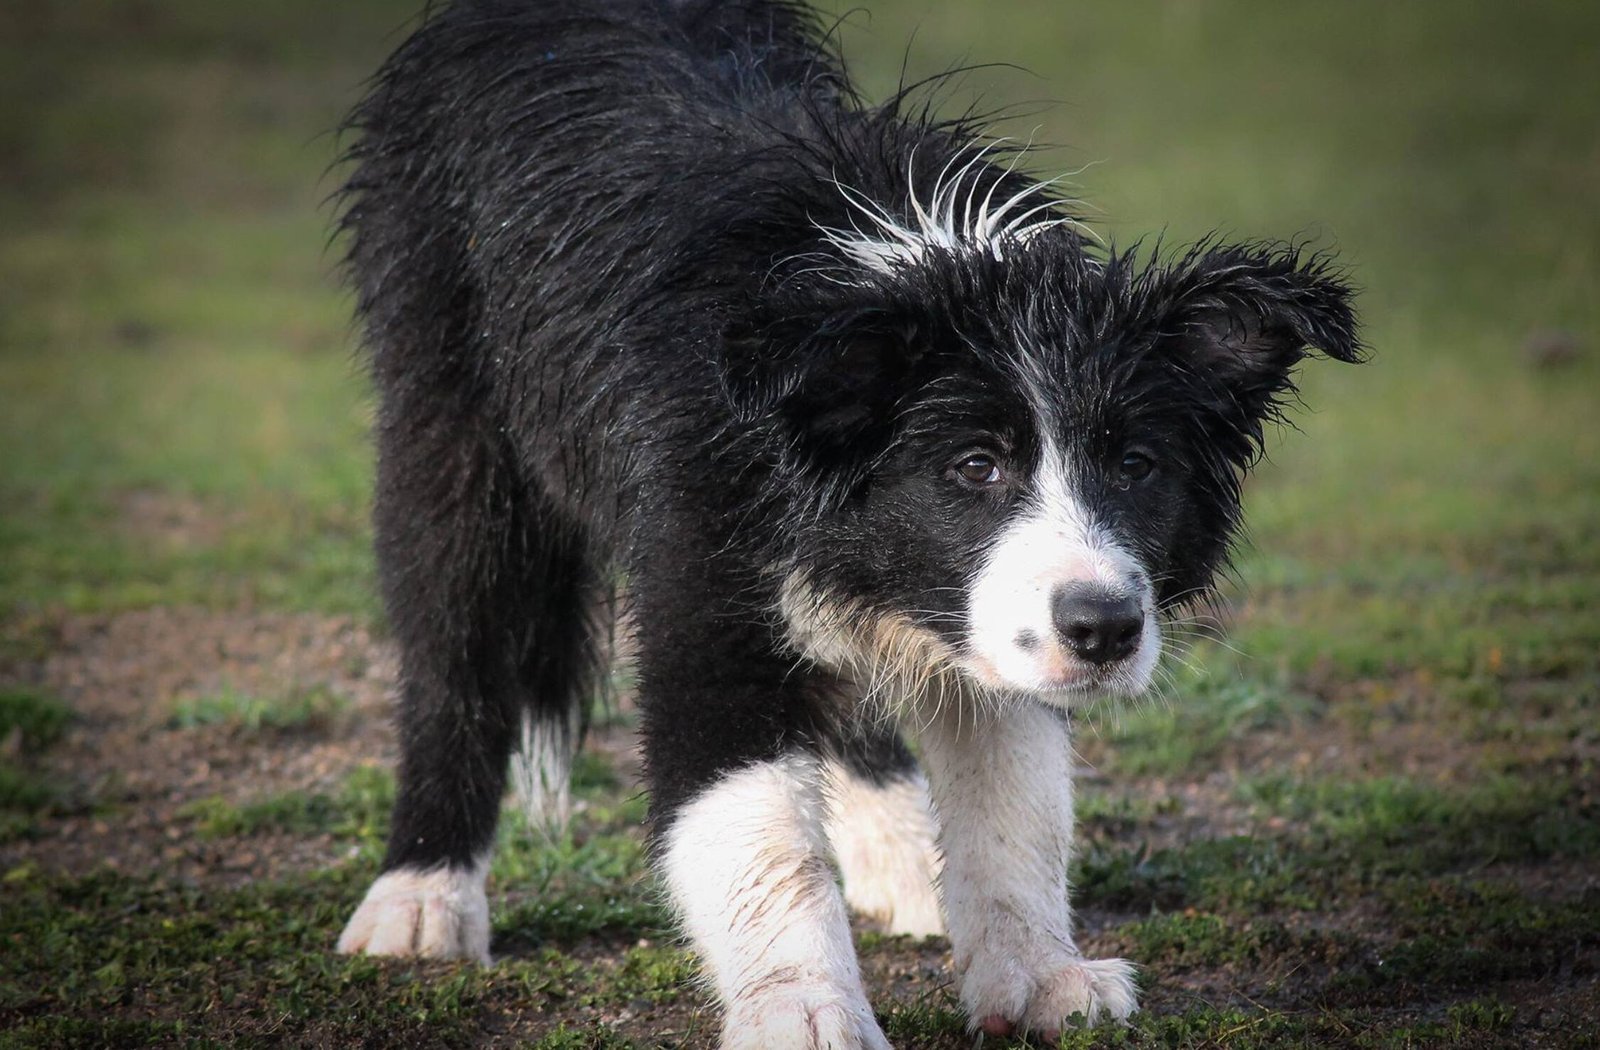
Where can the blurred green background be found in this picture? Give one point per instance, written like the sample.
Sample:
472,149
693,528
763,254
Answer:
183,419
174,343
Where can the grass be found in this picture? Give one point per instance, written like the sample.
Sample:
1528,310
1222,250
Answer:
30,722
33,720
303,710
1364,820
358,810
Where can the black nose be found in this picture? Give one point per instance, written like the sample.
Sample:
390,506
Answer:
1096,625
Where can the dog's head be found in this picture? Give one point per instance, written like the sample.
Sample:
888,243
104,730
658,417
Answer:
1011,458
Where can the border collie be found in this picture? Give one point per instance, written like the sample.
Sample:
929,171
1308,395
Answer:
874,438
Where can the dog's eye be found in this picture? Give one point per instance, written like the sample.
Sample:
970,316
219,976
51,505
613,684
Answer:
980,471
1135,466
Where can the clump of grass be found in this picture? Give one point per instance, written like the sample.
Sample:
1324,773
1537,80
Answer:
652,973
38,721
29,723
22,791
301,711
934,1021
359,810
1480,1015
564,1038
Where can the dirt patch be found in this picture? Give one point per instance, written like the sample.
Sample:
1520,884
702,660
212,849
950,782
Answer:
133,771
173,521
125,676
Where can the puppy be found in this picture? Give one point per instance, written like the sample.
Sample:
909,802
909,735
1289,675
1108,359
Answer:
875,439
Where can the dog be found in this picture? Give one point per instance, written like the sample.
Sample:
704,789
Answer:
876,436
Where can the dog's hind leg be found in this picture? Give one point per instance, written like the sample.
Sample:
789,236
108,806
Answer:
882,830
484,592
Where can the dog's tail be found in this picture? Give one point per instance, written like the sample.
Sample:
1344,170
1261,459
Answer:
541,767
573,680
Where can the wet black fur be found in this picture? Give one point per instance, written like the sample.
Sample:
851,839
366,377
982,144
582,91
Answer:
611,343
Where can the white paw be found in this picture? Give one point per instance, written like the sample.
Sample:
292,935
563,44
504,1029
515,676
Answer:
801,1017
1006,998
883,840
439,914
910,907
894,887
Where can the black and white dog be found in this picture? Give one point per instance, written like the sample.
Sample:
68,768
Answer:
874,439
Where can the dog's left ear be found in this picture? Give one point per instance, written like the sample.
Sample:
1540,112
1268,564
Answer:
1239,319
829,382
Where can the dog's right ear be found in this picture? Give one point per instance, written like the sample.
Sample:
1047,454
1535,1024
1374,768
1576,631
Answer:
1239,319
830,384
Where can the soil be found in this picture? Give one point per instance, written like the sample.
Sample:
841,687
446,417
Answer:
125,675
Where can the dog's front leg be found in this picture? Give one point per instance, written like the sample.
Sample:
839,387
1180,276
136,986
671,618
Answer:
745,860
1002,789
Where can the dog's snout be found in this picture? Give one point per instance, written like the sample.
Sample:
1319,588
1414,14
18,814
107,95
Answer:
1097,625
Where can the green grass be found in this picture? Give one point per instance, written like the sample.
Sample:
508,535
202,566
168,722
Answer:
1199,705
1415,626
303,710
34,720
30,722
1396,824
359,810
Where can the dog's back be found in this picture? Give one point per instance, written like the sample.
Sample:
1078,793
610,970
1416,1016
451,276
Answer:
510,146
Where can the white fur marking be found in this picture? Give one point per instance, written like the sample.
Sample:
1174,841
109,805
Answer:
1054,544
1002,788
745,863
889,244
439,914
883,840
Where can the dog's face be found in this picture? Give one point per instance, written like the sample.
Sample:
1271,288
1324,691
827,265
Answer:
1019,460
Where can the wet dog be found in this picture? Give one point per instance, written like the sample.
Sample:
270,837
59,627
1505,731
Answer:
875,438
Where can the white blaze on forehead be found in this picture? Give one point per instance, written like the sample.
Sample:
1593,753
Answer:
1053,543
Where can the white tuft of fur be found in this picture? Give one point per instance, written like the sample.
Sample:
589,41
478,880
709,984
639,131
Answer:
541,771
888,654
883,839
954,218
438,914
745,863
1002,791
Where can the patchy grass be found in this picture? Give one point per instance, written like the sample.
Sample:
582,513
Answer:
359,810
1395,825
1200,705
303,710
1368,819
34,721
23,793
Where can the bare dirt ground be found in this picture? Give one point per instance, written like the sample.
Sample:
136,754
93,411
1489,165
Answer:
124,675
